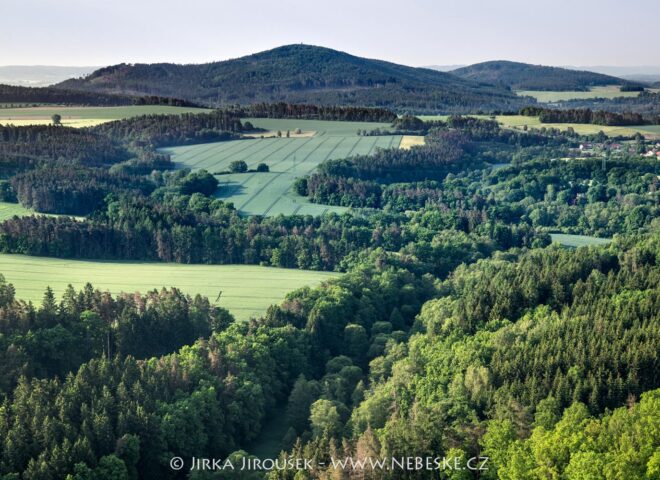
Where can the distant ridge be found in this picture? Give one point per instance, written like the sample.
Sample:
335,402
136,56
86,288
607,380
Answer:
524,76
39,75
303,74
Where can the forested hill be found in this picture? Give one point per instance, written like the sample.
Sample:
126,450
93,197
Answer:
11,94
524,76
302,74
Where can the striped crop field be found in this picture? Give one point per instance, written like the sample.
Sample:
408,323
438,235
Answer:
247,290
270,193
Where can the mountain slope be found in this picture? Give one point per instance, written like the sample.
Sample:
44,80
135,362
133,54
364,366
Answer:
12,94
524,76
302,74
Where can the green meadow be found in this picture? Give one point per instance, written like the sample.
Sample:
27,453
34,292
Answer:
247,290
9,210
578,240
271,193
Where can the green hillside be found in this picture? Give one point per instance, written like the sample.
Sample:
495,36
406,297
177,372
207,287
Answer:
301,74
523,76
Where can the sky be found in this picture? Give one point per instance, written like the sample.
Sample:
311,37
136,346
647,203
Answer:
410,32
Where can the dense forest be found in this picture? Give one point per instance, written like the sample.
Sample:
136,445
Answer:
315,112
585,115
646,104
303,74
10,94
496,360
524,76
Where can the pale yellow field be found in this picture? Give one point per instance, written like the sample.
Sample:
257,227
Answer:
67,122
83,116
611,91
409,141
518,121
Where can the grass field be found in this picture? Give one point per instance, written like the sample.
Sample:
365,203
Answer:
83,116
8,210
578,240
611,91
288,158
518,121
247,290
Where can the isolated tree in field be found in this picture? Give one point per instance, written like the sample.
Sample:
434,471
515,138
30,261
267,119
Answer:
279,134
300,186
57,119
199,182
262,167
288,134
238,166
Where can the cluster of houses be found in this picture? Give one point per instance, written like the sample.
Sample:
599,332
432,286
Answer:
653,151
591,149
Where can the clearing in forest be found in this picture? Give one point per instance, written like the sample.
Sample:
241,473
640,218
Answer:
247,290
271,193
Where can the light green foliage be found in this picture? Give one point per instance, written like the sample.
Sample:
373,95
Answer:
621,444
8,210
325,418
247,290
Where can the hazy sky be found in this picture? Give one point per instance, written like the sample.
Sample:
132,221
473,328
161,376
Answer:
412,32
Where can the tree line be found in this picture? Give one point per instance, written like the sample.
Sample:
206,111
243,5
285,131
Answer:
585,115
37,95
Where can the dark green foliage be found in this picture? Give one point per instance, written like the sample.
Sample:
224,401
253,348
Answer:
56,338
262,167
22,148
16,94
300,186
523,76
167,130
631,88
74,191
6,192
238,166
314,112
646,103
599,117
200,181
198,230
308,75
